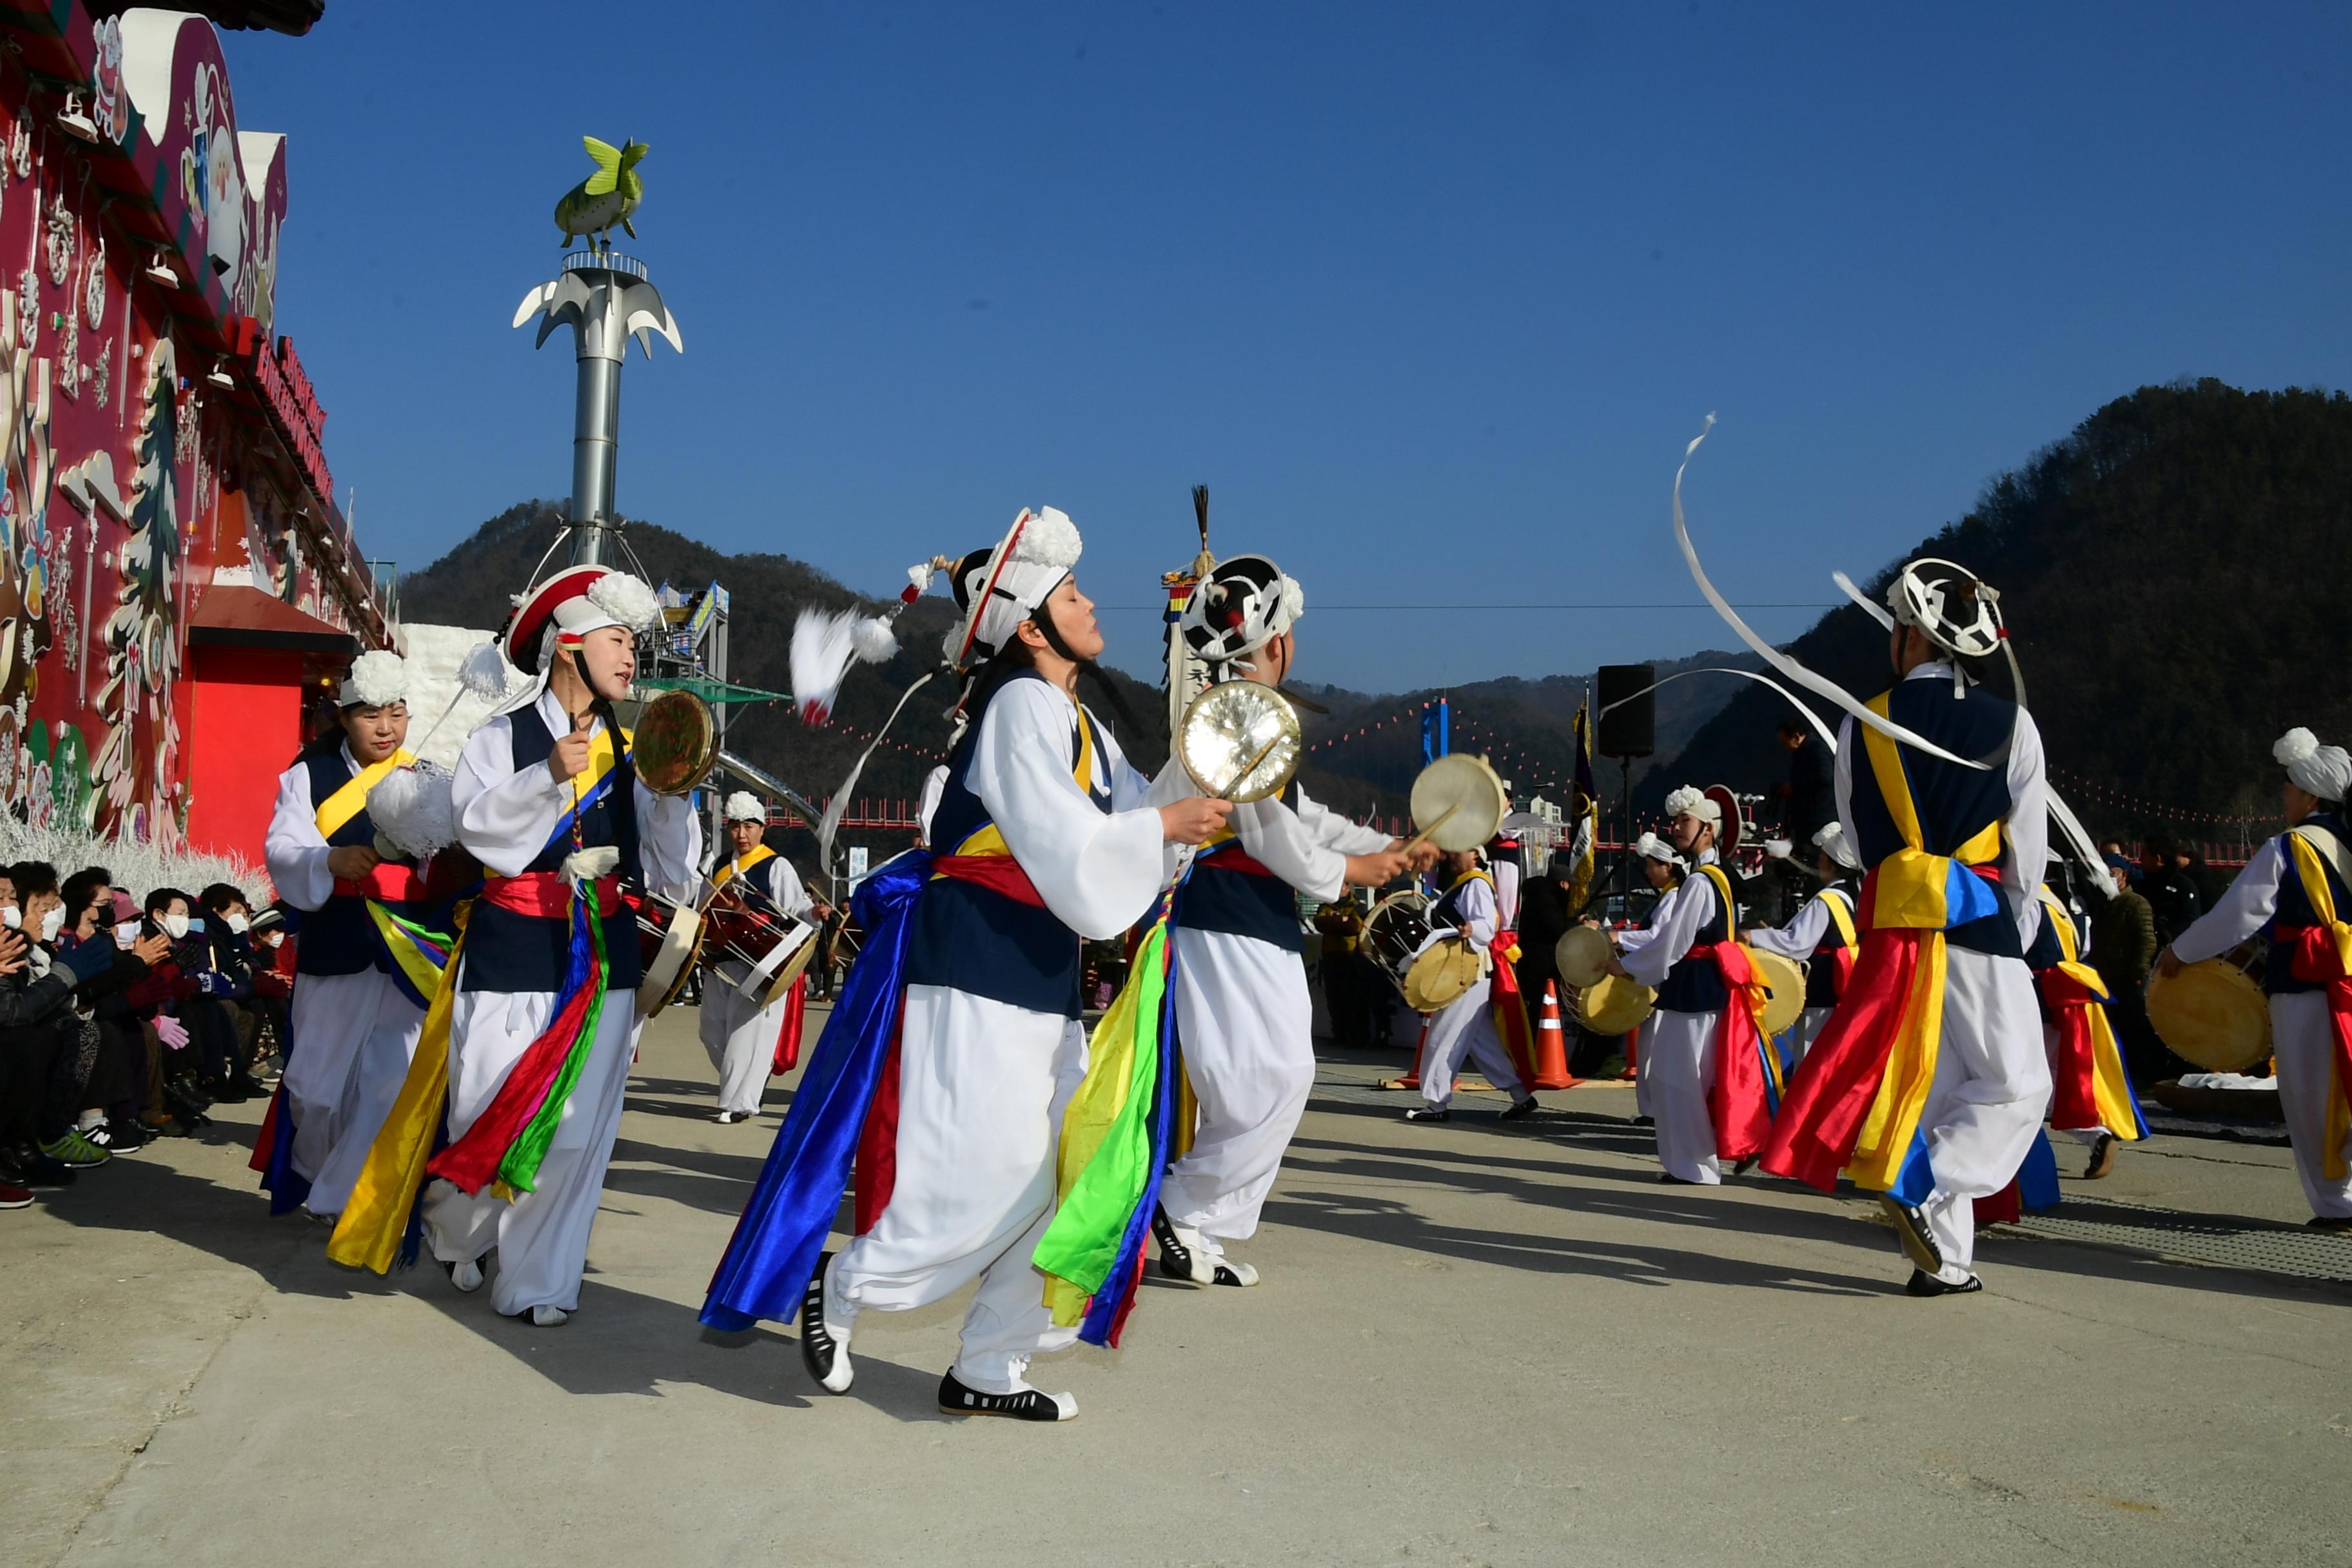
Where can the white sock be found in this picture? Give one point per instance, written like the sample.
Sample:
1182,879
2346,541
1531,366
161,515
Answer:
91,1121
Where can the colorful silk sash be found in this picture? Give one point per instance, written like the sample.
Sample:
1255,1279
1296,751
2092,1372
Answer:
351,797
1114,1145
1856,1100
2089,1084
1843,958
2323,953
774,1248
377,1226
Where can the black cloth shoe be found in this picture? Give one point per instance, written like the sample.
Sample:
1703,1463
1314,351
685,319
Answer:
2329,1225
1176,1259
820,1351
1742,1167
1669,1179
1029,1405
1922,1283
2102,1157
1645,1121
1428,1113
126,1133
226,1092
1518,1108
1911,1230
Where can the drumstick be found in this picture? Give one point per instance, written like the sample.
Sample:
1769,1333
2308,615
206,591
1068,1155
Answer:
1421,837
1249,767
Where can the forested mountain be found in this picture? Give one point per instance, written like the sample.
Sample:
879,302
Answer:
2173,575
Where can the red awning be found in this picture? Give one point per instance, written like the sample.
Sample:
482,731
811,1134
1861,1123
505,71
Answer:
236,615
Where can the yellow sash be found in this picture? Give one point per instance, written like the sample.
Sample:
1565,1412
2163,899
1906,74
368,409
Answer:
351,799
987,840
1842,918
743,864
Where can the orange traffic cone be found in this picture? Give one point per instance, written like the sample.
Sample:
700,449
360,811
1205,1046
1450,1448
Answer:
1551,1045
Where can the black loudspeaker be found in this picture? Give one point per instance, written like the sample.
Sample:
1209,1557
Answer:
1625,732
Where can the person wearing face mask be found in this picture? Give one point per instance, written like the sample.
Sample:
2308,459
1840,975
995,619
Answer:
108,1073
547,798
274,954
355,1014
183,1046
227,920
1043,838
39,1037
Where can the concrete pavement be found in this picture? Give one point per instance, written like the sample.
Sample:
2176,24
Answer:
1474,1344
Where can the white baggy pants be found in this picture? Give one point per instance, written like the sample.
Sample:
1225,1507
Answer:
354,1034
2303,1040
1678,1057
1465,1027
1990,1094
740,1037
543,1236
982,1089
1246,1020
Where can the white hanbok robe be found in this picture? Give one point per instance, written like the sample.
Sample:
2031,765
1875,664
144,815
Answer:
739,1034
1245,1019
1677,1061
2302,1037
982,1084
1465,1026
505,820
352,1034
1991,1087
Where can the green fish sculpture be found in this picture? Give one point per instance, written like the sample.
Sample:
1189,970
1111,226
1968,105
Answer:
606,197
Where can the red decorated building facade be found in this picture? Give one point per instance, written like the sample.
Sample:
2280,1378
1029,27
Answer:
176,576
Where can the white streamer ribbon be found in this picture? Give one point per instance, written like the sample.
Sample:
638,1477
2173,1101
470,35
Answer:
1821,726
1774,657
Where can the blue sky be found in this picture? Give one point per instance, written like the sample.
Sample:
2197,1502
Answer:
1431,297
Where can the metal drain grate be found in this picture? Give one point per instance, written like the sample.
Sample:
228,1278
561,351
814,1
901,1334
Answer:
2197,1239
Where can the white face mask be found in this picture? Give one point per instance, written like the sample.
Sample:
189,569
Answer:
53,922
12,916
236,922
273,938
175,926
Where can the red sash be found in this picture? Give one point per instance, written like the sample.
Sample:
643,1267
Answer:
546,896
788,1036
2315,958
2074,1093
998,873
1736,1103
1509,1009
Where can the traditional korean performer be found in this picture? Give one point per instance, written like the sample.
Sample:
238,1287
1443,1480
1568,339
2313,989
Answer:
357,1005
956,1041
1929,1081
1702,1058
1242,1013
1465,1027
2296,893
2090,1096
740,1034
1821,935
543,1024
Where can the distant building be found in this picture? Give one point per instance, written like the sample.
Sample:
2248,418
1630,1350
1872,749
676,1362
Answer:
176,576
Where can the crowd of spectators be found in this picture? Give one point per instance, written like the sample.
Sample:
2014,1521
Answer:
124,1020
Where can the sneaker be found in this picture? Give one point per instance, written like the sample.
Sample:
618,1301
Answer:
111,1139
35,1169
1924,1284
83,1150
13,1196
75,1153
1028,1404
1178,1260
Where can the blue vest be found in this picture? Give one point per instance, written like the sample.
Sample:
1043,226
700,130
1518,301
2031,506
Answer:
1219,898
1820,970
976,939
506,952
2294,910
1955,804
339,937
1696,984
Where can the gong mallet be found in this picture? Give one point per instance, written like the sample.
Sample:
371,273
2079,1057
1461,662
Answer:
1418,839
